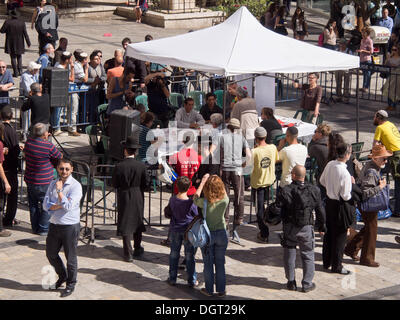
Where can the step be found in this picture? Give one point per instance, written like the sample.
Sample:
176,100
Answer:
198,19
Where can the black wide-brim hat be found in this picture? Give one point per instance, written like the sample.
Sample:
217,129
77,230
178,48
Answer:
131,142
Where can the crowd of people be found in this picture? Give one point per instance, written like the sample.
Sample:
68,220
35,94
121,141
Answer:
244,155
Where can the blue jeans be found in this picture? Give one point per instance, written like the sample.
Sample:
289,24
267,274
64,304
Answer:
176,239
55,117
39,217
214,254
329,46
366,75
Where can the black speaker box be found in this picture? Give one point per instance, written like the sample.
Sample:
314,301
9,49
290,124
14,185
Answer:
123,123
56,84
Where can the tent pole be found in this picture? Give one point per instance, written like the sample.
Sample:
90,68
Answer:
357,107
224,103
253,86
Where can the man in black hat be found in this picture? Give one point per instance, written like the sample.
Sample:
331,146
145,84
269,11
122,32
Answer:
16,34
129,178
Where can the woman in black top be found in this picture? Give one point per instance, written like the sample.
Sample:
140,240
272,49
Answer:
270,124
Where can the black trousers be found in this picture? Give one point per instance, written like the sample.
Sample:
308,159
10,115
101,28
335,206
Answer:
127,243
12,198
334,239
65,236
16,62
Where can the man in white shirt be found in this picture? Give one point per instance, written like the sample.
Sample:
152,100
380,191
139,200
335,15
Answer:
292,155
186,117
337,181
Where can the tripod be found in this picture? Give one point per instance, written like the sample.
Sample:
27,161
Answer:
58,143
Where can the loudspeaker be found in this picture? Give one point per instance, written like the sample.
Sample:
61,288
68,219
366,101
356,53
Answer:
56,84
123,123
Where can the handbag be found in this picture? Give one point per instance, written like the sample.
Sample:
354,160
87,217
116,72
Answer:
197,233
272,214
382,215
346,215
378,202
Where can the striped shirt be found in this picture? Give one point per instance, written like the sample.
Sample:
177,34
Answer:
38,156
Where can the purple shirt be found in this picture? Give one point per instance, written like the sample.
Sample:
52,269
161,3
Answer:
183,212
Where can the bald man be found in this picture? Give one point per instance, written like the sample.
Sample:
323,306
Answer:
297,202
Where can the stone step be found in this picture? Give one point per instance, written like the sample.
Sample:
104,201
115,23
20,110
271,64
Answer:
194,20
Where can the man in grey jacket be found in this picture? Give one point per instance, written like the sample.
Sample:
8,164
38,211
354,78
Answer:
186,117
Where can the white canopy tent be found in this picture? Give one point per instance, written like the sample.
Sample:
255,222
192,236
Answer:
241,45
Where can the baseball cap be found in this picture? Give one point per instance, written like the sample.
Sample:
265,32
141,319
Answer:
383,113
234,123
34,66
260,132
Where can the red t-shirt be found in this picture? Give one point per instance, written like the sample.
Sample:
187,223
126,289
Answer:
186,163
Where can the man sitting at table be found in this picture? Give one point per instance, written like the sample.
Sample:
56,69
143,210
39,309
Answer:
186,117
210,107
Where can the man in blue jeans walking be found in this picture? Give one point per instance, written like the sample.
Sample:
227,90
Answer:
181,210
39,154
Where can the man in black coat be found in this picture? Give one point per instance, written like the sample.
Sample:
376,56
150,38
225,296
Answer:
130,180
15,30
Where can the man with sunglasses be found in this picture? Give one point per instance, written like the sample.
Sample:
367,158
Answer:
386,133
62,202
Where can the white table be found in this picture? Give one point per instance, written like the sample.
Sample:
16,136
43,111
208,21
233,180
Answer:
306,130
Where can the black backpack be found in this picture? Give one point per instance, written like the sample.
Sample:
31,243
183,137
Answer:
303,202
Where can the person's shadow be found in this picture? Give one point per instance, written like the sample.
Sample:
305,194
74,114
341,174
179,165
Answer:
14,285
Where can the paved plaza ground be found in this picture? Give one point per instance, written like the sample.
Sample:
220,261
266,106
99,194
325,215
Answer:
254,270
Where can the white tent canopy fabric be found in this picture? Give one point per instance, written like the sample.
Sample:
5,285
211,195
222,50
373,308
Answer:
241,45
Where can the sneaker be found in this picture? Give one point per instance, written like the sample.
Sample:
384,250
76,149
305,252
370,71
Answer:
44,234
308,289
74,134
261,238
57,132
221,294
291,285
194,284
5,233
397,238
205,292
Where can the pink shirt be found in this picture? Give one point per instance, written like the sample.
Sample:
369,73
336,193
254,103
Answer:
366,44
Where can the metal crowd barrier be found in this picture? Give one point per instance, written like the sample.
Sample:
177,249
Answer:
83,119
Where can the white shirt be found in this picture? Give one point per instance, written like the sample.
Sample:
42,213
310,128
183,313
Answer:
337,180
291,156
184,119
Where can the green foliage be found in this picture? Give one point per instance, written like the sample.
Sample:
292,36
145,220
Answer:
256,7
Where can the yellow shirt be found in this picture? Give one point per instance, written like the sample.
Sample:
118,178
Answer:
264,159
388,134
